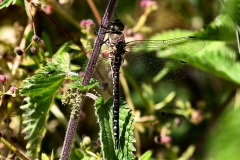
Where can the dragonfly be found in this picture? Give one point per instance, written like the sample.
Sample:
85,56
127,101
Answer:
142,61
120,52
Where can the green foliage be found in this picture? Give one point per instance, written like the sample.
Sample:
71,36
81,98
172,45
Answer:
40,90
216,58
146,155
104,114
6,3
45,157
219,60
231,8
224,136
77,83
79,154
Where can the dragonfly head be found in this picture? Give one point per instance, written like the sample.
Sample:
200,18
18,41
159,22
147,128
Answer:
116,25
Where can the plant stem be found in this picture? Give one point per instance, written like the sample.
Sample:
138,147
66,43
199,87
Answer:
10,146
99,41
72,124
95,11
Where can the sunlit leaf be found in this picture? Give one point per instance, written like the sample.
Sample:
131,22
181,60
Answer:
40,90
104,114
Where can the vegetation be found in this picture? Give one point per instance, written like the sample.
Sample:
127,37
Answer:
44,50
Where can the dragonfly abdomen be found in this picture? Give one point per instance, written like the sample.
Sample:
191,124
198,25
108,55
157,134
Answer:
115,67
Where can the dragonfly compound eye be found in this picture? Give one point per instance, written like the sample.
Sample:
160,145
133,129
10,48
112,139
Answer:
116,25
120,26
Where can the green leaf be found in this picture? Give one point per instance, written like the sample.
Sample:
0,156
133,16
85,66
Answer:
216,58
146,155
223,135
40,90
6,3
77,83
52,155
79,154
232,8
44,157
104,114
219,60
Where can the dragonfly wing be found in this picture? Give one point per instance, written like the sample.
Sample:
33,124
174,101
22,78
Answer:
102,72
147,68
173,48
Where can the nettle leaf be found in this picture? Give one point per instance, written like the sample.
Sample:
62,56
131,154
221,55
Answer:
77,83
6,3
216,58
219,60
40,90
104,114
232,8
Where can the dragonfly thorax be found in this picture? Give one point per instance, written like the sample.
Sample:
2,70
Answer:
117,43
114,38
120,48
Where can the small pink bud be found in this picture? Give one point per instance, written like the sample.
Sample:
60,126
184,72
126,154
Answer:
83,23
177,121
138,36
105,54
129,33
2,78
165,139
90,22
82,74
48,9
196,117
82,115
143,3
13,89
147,3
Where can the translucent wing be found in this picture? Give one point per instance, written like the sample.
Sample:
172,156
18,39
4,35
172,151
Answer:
149,61
177,48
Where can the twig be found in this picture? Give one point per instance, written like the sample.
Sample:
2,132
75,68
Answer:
95,11
72,124
10,146
98,43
